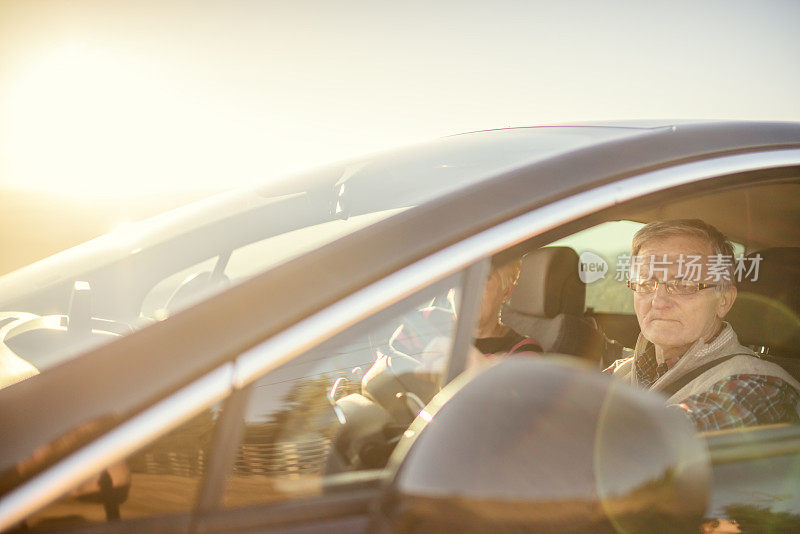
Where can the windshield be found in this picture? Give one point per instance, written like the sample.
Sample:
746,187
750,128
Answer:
132,277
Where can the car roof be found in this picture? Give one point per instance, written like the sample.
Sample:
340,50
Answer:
111,382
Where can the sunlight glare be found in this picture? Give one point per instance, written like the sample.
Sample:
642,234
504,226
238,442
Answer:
80,118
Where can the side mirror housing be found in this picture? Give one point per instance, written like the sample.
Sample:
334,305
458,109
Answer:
546,445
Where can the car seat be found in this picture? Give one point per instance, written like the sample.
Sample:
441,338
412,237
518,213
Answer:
766,313
548,304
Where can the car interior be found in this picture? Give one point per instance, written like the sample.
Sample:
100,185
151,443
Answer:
551,303
763,220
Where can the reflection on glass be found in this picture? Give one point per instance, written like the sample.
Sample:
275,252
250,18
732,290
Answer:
341,407
163,478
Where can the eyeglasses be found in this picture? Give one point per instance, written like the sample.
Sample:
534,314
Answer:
673,287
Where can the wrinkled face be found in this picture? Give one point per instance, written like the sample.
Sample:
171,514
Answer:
673,322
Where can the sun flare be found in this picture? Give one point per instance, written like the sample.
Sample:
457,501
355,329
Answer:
78,118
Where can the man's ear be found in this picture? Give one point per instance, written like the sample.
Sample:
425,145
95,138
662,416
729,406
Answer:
725,302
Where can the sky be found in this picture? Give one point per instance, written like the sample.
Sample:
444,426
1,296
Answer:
105,98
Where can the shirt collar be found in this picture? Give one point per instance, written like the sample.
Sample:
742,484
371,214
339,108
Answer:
647,367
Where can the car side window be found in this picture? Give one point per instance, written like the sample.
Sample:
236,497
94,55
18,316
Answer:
161,479
602,252
342,406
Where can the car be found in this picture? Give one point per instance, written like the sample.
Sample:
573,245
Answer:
233,366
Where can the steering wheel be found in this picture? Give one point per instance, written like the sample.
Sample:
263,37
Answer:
370,423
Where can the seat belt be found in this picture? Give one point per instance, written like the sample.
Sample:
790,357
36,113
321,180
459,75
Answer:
674,387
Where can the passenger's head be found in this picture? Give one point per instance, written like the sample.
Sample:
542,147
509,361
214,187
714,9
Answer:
697,261
499,286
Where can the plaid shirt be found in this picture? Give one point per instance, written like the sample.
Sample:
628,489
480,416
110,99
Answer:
735,401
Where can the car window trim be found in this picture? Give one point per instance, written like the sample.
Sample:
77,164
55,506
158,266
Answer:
324,324
755,443
177,523
328,506
223,450
468,314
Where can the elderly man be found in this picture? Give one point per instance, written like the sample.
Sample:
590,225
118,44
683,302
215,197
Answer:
681,276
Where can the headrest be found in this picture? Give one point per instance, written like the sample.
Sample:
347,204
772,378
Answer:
779,275
767,309
549,284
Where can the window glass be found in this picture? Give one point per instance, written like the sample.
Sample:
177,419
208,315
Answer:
605,245
165,294
686,327
256,257
341,407
162,478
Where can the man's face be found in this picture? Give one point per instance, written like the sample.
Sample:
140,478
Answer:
674,322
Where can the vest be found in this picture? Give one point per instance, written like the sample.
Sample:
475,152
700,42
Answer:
700,353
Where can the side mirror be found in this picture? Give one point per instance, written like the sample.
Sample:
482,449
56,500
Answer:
546,445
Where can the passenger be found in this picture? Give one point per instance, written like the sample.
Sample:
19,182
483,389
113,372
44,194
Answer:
682,278
492,336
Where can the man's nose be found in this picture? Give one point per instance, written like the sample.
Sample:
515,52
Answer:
660,296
